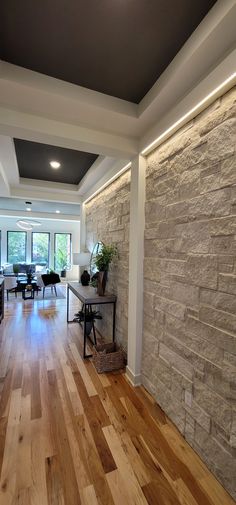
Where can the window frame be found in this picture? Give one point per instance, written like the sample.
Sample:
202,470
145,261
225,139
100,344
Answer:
16,231
32,244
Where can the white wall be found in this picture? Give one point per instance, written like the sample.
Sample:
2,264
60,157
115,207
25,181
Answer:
48,225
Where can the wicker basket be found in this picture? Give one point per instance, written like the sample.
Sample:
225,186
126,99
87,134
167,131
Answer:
108,357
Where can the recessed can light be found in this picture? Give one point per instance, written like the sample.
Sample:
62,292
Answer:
55,164
58,211
28,209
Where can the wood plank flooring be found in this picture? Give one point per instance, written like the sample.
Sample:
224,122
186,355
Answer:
69,436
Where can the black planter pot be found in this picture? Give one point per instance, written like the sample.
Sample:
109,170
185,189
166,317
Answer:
88,327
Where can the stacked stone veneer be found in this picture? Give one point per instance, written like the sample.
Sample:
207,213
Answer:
189,339
107,220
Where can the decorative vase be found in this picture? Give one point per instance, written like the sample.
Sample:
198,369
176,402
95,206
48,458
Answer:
102,280
29,278
85,278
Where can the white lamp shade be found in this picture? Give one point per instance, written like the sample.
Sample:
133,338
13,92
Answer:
82,259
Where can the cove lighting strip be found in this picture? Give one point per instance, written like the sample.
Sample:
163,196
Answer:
196,108
126,167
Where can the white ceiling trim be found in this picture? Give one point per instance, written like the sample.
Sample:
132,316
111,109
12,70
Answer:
4,185
47,186
34,93
44,196
42,109
212,40
40,215
115,171
92,112
218,81
98,171
47,131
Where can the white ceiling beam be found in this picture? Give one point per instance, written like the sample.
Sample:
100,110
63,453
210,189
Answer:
4,186
35,93
43,109
40,129
47,186
8,160
41,215
44,196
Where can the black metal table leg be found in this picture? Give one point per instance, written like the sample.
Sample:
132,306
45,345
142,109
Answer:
85,330
114,322
68,295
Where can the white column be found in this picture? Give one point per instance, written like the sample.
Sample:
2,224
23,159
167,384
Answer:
82,235
136,255
82,240
28,246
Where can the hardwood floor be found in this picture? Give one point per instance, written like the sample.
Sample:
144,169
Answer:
69,436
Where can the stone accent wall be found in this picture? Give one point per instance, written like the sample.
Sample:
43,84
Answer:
189,340
107,219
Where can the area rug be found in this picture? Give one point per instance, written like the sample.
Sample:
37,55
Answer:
48,295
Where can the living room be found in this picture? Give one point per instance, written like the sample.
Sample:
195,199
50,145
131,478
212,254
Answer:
116,135
47,247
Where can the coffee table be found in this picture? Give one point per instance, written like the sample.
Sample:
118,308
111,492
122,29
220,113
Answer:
28,287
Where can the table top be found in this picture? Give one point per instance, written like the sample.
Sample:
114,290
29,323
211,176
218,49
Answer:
26,282
88,295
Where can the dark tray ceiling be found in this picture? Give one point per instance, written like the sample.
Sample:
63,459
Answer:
33,162
117,47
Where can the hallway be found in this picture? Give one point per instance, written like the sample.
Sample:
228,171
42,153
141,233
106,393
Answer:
69,436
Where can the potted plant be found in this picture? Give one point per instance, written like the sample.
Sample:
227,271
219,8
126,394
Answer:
91,315
102,261
16,268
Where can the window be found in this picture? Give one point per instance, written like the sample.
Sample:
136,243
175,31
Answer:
16,246
62,251
40,248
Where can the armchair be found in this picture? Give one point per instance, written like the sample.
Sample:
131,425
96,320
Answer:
48,281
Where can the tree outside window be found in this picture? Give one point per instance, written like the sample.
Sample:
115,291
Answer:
62,251
16,246
40,248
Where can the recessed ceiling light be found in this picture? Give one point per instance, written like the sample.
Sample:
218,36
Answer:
28,209
58,211
55,164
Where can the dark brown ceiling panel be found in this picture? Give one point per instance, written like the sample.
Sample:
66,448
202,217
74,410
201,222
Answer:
117,47
34,162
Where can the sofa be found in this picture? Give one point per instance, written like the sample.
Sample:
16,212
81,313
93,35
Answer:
18,268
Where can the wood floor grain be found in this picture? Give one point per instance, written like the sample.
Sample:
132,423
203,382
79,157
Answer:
69,436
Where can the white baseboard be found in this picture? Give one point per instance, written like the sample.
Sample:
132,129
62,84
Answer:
135,380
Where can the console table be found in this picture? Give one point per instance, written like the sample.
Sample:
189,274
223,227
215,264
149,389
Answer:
87,295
